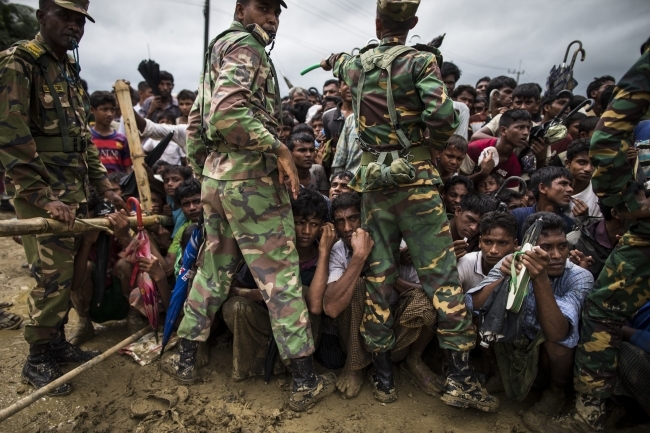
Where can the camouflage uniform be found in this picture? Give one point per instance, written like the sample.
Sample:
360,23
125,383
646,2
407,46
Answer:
412,210
624,285
247,210
46,149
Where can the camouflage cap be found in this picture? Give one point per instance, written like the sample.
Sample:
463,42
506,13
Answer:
398,10
80,6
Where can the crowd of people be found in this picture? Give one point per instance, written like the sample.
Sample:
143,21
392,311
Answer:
501,171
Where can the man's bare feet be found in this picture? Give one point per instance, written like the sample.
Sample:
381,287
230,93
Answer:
349,382
421,375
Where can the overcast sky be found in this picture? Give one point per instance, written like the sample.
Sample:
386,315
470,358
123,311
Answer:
483,37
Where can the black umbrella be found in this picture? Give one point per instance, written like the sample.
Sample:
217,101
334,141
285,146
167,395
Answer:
561,77
150,71
128,183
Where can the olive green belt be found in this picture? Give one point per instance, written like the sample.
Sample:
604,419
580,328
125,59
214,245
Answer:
56,144
421,153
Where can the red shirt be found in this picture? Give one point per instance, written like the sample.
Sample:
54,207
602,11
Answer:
113,151
505,169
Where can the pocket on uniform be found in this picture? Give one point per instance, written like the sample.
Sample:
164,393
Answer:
47,100
66,172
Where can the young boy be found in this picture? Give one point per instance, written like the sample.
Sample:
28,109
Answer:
112,146
173,153
524,97
188,199
450,159
489,184
173,177
464,227
514,127
303,150
584,201
453,192
185,102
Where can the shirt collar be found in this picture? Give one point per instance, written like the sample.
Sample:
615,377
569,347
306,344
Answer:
478,268
258,32
390,41
41,41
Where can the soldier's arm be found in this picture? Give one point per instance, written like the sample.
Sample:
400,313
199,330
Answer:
438,114
97,174
17,147
196,150
230,112
613,174
338,64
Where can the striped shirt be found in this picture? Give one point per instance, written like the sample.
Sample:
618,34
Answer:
113,151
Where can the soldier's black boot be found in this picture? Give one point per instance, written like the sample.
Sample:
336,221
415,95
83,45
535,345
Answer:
588,416
65,353
308,388
462,388
381,377
40,369
182,366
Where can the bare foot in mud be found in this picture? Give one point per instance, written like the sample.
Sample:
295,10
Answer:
203,355
349,382
421,375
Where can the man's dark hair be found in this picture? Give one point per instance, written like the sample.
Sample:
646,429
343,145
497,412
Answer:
303,128
501,220
606,96
577,117
300,111
454,180
116,176
186,95
588,124
342,174
300,137
546,176
158,164
463,88
335,99
169,116
166,76
345,201
449,68
577,147
508,194
317,116
551,97
480,99
527,90
188,188
512,116
143,86
597,82
550,221
102,98
457,142
310,204
482,80
185,172
288,119
393,26
330,82
479,204
577,100
500,82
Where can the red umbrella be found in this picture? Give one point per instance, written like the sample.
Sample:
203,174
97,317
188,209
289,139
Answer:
141,248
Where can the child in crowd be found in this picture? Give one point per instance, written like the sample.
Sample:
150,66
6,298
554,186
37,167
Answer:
185,102
112,146
450,159
453,192
173,177
489,184
188,199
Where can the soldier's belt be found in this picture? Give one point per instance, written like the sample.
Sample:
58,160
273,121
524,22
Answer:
56,144
417,154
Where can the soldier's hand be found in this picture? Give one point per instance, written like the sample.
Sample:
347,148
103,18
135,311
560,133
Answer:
287,171
580,208
362,244
536,261
61,212
460,248
325,64
115,199
328,238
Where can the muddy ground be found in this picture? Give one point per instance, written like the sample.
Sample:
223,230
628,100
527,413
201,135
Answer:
103,396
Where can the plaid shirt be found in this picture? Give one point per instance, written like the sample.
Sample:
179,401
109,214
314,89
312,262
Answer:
570,289
348,151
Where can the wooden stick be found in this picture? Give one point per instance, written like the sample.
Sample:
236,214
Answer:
27,401
38,226
123,94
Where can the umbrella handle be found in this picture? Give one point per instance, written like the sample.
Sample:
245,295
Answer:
311,68
575,56
138,211
566,55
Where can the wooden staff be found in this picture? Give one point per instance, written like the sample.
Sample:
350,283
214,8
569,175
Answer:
27,401
39,226
123,93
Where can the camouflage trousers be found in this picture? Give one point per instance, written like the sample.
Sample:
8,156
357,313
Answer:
622,287
250,220
417,215
53,269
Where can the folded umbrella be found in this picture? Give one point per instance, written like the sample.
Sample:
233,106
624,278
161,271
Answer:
150,71
561,77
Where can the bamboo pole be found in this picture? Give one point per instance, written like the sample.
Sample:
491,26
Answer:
123,94
38,226
27,401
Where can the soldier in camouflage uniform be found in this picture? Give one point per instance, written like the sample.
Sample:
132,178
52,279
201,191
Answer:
624,284
246,207
46,150
399,187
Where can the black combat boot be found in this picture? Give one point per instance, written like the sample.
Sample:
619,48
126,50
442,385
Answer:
308,388
40,369
462,388
65,353
588,416
182,366
381,377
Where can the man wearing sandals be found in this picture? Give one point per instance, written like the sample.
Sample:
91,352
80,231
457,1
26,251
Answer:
46,149
397,94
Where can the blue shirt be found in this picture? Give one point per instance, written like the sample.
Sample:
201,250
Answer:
641,322
177,215
570,290
522,213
